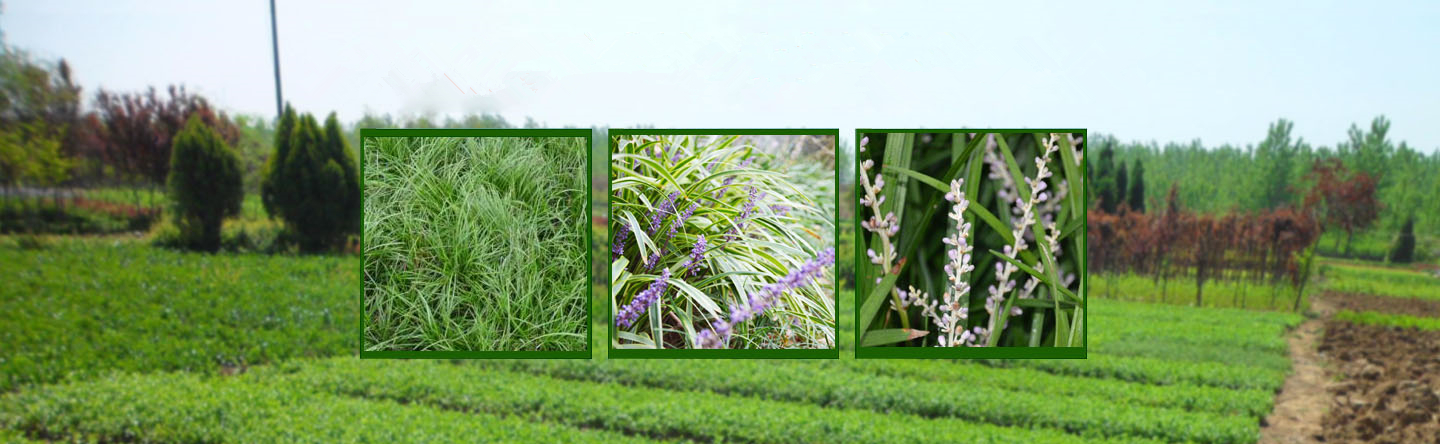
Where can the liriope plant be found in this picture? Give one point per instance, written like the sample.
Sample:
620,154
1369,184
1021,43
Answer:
1007,211
720,244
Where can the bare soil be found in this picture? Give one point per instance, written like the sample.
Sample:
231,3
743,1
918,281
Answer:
1368,302
1388,384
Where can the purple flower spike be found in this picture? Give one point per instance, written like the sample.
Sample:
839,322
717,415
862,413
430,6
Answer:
667,206
620,236
767,297
631,312
697,255
725,183
684,216
745,212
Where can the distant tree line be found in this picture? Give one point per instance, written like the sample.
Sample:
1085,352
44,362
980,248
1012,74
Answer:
1272,174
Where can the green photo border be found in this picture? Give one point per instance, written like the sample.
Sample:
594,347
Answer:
822,353
972,352
585,134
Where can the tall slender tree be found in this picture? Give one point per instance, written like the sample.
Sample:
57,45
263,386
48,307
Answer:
1137,187
1122,187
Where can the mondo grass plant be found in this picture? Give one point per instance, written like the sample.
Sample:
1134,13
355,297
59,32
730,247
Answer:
475,244
722,242
972,239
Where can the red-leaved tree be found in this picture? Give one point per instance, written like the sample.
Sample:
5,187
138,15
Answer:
136,129
1342,198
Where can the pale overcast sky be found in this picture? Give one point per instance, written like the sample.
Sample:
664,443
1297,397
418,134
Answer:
1167,71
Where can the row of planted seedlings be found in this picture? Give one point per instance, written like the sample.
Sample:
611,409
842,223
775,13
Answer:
722,242
970,239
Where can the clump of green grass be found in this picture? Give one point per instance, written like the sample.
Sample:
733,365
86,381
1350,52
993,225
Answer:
475,244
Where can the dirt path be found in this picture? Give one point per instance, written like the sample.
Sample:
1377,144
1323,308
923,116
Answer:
1301,405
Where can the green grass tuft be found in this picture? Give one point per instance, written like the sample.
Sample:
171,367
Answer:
475,244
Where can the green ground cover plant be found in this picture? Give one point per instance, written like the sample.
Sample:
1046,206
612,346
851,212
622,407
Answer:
139,308
952,390
722,242
1007,211
1354,277
190,408
1388,319
71,216
1149,395
632,409
475,244
250,209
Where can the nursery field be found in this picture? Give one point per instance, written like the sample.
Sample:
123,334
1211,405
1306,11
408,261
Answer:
1123,393
1367,277
80,305
1381,342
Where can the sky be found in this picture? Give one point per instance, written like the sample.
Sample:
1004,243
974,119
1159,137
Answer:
1219,72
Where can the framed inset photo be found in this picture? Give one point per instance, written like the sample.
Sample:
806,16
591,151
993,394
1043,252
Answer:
476,243
970,243
723,243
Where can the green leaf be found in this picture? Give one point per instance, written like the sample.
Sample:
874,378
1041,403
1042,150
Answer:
641,239
1020,185
1073,176
617,267
1077,328
1063,328
876,300
943,187
984,215
1037,328
891,336
636,341
696,296
1044,278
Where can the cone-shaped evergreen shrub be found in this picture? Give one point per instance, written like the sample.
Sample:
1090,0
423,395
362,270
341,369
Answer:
204,183
1404,250
312,182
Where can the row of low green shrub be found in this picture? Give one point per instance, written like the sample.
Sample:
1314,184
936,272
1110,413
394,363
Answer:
183,407
704,416
236,236
71,216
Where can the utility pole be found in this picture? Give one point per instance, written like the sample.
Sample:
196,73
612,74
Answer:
275,41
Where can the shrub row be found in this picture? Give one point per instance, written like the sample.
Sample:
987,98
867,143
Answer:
1256,403
819,410
1155,371
1389,320
189,408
